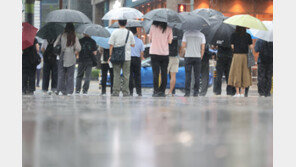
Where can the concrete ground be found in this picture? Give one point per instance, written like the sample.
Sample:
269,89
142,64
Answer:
93,130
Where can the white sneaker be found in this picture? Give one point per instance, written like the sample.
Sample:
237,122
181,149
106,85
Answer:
242,95
60,94
236,95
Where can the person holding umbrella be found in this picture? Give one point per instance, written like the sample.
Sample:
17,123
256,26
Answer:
240,74
70,47
121,37
85,62
137,54
160,36
194,42
265,66
30,60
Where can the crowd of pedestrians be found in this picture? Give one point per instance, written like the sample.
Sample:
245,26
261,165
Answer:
165,51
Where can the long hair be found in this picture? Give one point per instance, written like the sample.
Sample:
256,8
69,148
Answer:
162,25
70,31
240,30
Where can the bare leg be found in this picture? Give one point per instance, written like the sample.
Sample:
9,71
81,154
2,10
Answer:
242,90
237,90
172,82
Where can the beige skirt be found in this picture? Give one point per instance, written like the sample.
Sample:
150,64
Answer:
240,74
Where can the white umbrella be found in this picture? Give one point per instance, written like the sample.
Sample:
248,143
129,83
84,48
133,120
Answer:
264,35
123,13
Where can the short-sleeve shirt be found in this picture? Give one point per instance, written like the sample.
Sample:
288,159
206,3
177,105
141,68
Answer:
118,38
160,40
194,39
139,47
241,42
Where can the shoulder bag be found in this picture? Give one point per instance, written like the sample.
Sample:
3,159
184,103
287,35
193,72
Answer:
118,53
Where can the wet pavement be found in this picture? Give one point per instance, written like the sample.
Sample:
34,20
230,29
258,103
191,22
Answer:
93,130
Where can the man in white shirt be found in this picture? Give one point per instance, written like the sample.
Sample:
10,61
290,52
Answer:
194,45
117,39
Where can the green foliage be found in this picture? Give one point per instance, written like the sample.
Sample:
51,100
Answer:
95,74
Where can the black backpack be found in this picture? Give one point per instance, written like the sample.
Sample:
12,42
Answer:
49,55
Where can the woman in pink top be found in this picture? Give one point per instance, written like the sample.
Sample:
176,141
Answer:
160,37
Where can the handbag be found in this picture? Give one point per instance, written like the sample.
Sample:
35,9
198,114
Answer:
118,53
251,59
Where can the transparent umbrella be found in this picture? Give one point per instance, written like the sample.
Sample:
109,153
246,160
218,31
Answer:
172,18
193,22
123,13
67,16
93,30
130,23
264,35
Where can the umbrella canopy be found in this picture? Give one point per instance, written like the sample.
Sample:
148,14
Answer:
219,33
207,12
246,21
130,23
51,31
103,42
67,16
193,22
123,13
93,30
28,35
172,18
264,35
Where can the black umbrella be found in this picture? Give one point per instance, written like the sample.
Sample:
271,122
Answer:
172,18
177,33
93,30
50,31
67,16
207,12
130,23
193,22
219,33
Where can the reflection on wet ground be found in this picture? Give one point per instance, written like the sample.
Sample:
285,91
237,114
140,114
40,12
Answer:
94,130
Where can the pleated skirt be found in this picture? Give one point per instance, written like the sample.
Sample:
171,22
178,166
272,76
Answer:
240,74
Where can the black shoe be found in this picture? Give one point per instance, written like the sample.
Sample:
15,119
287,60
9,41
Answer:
187,95
139,94
84,93
154,95
30,93
195,95
77,92
161,94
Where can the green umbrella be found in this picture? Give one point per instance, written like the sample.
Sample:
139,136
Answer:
246,21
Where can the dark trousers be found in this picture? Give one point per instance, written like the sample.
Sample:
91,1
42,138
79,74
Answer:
223,68
28,80
135,75
204,78
265,73
65,78
38,71
159,63
195,64
83,69
50,70
105,68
